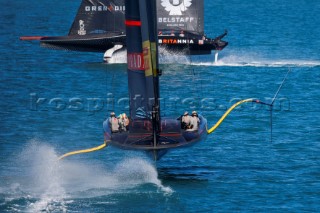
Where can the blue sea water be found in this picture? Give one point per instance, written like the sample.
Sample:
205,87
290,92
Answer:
53,102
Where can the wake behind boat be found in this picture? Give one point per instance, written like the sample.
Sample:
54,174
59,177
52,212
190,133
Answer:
99,26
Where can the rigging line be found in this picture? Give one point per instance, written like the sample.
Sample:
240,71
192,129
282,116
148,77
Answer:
91,2
106,79
112,92
213,128
271,120
105,144
275,96
272,102
195,79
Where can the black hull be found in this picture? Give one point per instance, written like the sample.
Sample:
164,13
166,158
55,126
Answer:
97,43
189,45
140,136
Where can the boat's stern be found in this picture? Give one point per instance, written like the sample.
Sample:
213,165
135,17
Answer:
140,136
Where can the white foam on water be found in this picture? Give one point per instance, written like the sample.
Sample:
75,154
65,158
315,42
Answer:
41,168
126,174
260,62
251,60
165,57
139,171
226,58
49,184
169,57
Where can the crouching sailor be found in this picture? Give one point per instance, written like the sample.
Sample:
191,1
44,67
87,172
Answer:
194,122
114,123
123,122
185,121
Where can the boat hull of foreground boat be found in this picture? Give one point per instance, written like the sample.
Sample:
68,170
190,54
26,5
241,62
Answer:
140,136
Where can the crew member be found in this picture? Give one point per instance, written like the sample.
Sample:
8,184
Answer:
185,121
121,125
114,123
126,121
194,122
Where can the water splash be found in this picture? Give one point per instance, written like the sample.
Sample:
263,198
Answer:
256,61
165,57
43,180
126,174
233,59
139,171
239,59
170,57
50,185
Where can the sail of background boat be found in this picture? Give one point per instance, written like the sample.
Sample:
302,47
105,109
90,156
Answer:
99,27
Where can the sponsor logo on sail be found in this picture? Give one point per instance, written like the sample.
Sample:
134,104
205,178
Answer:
146,56
135,61
176,7
177,16
81,30
104,8
176,19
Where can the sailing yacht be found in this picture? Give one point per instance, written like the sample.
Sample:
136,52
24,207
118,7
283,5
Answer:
99,27
147,130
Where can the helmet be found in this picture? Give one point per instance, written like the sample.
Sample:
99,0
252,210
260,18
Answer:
186,113
194,113
112,114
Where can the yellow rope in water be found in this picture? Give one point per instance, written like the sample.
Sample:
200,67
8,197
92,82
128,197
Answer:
85,150
227,113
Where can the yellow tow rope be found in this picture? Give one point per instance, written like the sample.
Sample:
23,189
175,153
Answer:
227,113
85,150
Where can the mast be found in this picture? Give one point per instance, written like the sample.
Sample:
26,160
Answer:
148,14
135,64
142,53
